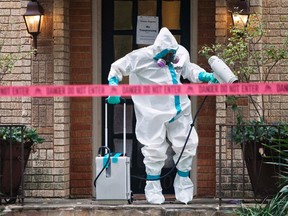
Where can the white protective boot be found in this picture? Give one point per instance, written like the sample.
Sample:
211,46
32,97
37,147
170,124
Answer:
153,192
154,159
183,187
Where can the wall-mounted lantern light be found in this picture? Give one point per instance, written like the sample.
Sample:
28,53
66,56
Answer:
32,19
240,14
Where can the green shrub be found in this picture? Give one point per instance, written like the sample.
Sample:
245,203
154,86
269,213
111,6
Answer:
15,134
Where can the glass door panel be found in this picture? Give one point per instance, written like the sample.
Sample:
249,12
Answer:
123,15
147,8
122,45
171,14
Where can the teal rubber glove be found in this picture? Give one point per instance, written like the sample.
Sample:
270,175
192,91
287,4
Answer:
207,77
113,99
113,81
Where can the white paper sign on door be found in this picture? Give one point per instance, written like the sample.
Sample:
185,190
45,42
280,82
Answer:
147,29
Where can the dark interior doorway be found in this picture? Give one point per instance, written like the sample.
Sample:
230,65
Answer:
119,22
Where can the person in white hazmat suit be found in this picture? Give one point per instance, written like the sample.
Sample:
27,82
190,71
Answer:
165,116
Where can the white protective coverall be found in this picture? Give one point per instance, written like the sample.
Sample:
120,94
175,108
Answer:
161,117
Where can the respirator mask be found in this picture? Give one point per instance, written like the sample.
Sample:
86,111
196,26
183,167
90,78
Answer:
168,58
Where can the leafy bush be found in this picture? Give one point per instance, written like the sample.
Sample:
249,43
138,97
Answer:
278,205
15,134
258,131
250,55
253,58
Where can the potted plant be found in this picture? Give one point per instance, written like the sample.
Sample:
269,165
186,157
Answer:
256,138
16,143
12,136
253,58
278,205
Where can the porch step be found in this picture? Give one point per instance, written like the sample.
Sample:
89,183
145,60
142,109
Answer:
86,207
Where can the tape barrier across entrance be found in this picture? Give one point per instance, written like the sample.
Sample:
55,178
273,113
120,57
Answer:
277,88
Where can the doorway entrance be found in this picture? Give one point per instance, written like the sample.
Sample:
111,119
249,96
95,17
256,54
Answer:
119,24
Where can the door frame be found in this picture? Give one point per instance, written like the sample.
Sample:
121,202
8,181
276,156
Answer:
194,58
97,78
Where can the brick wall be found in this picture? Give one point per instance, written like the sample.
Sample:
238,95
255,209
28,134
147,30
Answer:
47,171
61,54
12,34
206,119
81,108
62,166
272,12
17,41
41,166
275,17
49,167
225,115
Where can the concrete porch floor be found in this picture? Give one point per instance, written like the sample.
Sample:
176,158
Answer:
89,207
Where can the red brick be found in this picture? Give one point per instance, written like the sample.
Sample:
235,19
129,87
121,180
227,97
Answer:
80,184
76,175
81,41
81,147
205,162
80,4
80,19
80,192
82,140
206,119
205,184
81,108
82,169
76,49
206,169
